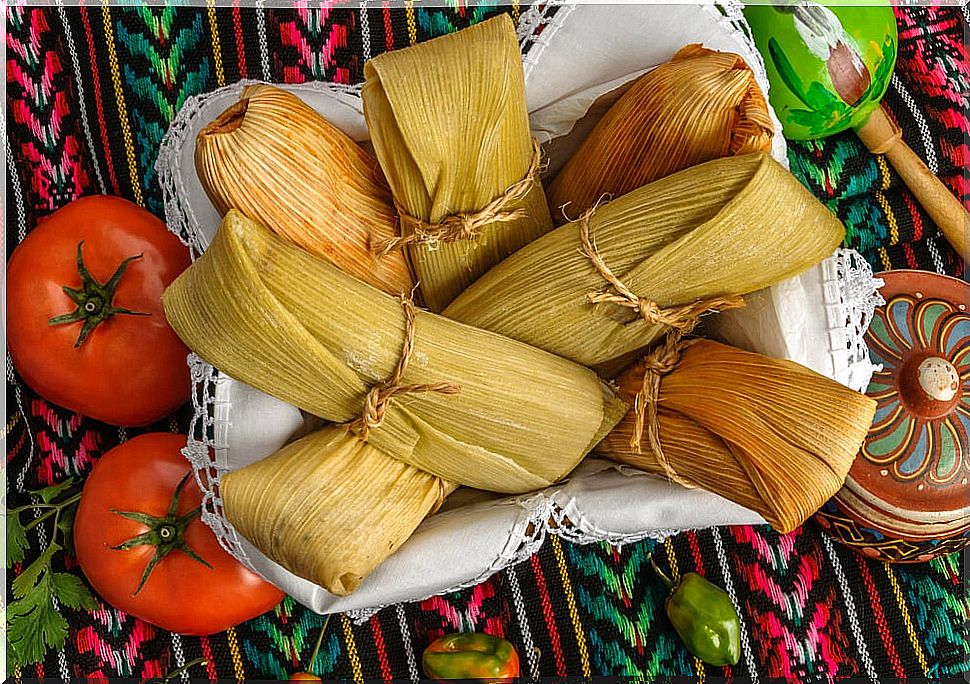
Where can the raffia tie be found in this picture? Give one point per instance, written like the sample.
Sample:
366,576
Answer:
679,319
377,399
467,225
657,364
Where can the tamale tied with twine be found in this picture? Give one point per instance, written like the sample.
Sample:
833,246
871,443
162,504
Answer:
462,405
701,105
278,161
361,507
768,434
621,276
449,125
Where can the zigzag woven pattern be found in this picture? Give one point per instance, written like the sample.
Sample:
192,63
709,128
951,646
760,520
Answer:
91,91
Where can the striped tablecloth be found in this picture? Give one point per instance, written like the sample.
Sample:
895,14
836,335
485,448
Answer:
90,93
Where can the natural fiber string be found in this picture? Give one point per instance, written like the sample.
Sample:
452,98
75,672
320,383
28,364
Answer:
681,319
467,225
657,364
377,399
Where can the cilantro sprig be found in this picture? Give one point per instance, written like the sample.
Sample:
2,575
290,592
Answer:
34,622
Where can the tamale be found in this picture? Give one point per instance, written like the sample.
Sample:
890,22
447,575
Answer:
275,159
361,507
768,434
290,324
449,126
701,105
726,227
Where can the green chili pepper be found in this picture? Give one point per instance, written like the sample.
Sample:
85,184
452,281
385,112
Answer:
704,618
471,656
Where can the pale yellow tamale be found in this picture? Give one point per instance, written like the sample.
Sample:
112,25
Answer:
449,125
719,229
279,319
361,507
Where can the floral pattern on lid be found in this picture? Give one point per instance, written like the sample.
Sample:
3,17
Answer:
907,497
922,421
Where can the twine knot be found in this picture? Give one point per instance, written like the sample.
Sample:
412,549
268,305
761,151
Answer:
679,319
658,363
466,225
377,399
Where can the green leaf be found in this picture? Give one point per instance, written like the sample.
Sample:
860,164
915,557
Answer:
65,523
16,539
49,494
72,592
24,583
33,624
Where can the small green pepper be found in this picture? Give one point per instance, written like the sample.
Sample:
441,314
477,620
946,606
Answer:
704,618
471,656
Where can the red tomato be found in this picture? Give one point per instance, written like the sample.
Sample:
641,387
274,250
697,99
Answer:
130,368
196,588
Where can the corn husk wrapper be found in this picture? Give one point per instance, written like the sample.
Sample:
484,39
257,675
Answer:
361,507
449,125
275,159
768,434
701,105
726,227
292,325
272,316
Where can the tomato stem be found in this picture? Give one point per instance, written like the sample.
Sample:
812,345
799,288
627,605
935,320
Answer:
165,533
93,300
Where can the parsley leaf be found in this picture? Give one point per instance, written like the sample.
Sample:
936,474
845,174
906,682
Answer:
65,524
72,592
16,539
33,623
48,494
25,582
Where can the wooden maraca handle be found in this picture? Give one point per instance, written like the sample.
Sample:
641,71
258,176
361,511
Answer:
882,136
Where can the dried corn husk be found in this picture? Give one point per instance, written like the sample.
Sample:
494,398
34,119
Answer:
701,105
275,159
332,494
768,434
279,319
449,125
292,325
725,227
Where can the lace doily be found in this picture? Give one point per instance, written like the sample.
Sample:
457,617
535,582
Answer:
849,293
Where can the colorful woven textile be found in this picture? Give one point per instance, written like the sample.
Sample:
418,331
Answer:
91,91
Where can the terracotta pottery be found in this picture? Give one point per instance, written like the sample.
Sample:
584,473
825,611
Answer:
907,497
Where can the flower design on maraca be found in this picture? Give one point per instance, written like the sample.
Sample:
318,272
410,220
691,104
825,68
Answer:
921,427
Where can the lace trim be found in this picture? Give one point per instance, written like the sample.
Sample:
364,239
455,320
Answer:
207,449
853,295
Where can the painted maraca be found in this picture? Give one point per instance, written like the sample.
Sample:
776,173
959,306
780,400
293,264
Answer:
828,69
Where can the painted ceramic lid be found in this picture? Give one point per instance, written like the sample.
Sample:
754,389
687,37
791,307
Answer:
909,489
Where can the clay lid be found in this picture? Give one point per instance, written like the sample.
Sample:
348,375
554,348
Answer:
915,465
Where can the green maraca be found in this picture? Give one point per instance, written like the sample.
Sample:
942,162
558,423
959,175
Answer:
828,68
